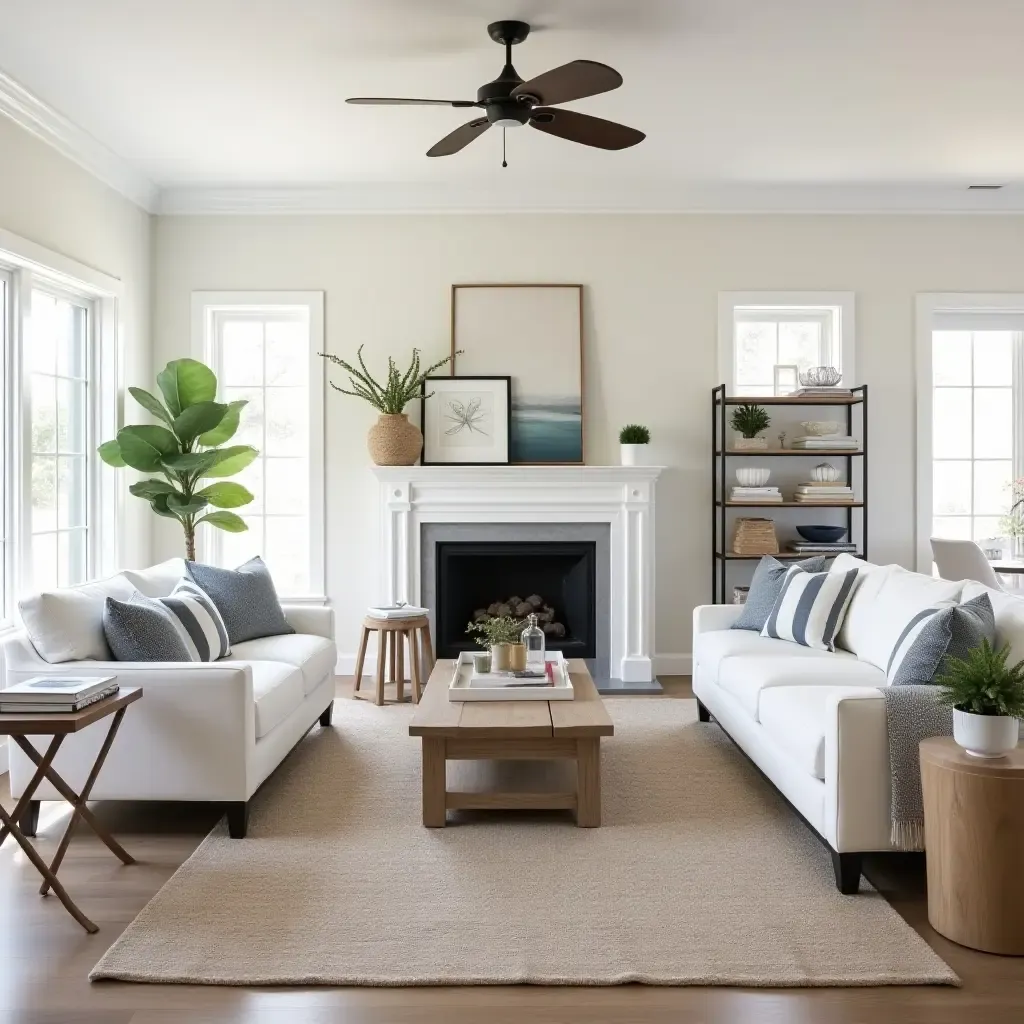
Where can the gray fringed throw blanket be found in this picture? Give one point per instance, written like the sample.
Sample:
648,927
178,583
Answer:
913,713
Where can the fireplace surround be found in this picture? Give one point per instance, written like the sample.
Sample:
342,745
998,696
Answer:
535,503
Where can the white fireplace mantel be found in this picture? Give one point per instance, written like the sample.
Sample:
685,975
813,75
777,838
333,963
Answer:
622,496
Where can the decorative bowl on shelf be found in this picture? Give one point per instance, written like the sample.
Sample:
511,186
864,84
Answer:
820,377
752,476
824,473
822,534
820,428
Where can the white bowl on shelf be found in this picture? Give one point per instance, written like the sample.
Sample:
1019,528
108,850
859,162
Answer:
824,473
820,428
752,476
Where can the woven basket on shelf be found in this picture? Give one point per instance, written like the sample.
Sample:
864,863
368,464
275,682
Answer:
755,537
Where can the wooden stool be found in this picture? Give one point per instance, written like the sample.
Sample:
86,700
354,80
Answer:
391,643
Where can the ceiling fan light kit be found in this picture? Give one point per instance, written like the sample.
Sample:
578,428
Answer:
509,102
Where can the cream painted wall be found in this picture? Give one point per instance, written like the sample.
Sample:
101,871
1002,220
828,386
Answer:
652,284
51,201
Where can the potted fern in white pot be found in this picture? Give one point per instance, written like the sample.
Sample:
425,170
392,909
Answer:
987,698
633,442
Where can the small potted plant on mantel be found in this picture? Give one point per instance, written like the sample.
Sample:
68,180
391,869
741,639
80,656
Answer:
503,635
633,442
748,421
987,698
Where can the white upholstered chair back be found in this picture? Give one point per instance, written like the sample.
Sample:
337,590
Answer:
963,560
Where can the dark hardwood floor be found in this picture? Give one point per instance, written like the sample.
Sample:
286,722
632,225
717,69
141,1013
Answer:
45,957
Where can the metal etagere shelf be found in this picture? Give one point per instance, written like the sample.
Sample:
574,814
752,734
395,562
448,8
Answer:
856,512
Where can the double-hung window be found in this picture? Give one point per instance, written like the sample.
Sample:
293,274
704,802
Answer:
263,348
760,331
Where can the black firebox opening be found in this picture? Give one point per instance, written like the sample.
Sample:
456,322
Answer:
472,577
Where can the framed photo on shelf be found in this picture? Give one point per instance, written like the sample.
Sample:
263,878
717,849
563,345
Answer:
787,379
466,421
534,334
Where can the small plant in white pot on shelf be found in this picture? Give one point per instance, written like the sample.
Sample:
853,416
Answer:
633,442
504,636
987,698
748,421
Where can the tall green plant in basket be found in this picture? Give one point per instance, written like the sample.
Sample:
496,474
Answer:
186,451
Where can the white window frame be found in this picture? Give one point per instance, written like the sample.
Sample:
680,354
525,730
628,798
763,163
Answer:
950,310
834,310
28,265
205,307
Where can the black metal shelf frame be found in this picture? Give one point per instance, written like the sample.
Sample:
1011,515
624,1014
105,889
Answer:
720,456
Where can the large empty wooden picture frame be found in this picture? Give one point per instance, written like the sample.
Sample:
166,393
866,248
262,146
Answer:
534,334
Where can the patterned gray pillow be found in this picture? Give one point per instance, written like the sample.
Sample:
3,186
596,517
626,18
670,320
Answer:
245,598
142,629
935,634
765,587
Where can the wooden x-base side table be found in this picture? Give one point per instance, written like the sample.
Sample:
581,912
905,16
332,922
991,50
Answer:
57,725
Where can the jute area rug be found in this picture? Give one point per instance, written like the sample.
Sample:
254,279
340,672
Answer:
700,875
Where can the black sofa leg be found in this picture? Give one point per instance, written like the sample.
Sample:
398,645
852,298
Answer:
238,819
29,821
847,868
703,715
325,718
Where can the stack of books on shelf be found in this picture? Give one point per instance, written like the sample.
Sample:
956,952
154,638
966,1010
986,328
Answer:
824,494
42,694
835,442
808,547
756,495
822,392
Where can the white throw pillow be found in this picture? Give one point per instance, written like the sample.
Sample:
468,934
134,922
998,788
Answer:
883,607
810,607
157,580
67,624
869,579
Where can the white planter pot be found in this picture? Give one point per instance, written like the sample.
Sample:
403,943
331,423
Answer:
985,735
749,444
633,454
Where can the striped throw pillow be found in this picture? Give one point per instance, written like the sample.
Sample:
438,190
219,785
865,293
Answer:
811,607
198,622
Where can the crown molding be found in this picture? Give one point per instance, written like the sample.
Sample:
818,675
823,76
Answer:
606,198
31,113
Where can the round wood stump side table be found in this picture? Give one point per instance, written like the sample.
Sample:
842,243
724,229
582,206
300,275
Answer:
974,838
391,639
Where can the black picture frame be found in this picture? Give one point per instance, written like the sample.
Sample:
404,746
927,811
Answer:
431,384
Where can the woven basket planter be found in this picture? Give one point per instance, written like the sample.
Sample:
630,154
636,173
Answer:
394,441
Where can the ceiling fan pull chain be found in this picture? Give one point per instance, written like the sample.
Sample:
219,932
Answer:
504,162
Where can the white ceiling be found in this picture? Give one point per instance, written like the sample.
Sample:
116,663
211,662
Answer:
803,97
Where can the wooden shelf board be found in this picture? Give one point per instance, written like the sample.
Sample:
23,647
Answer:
792,504
782,400
729,556
759,453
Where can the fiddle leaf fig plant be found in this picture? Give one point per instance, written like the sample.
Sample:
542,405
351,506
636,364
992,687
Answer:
186,451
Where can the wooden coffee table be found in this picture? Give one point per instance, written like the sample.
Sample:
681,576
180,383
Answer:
534,730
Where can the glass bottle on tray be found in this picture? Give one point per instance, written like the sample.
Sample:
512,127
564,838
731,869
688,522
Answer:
533,641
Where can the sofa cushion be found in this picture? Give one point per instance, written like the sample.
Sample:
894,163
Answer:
794,719
746,677
144,629
884,604
67,624
712,648
277,691
245,597
1009,615
157,580
811,607
765,587
314,656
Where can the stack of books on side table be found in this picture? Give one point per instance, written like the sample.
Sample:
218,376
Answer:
396,611
824,494
42,694
756,495
820,442
808,547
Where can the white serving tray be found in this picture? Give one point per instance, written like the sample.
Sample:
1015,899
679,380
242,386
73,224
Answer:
460,689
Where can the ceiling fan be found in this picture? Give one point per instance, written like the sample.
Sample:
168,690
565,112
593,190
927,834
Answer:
509,102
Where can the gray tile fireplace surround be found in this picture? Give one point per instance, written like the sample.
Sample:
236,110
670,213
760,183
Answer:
431,534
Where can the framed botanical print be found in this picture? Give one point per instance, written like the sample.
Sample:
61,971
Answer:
466,420
534,334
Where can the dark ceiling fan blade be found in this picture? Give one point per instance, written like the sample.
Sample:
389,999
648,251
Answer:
590,131
460,138
570,82
386,101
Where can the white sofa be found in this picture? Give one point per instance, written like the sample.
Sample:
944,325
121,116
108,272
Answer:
814,722
202,732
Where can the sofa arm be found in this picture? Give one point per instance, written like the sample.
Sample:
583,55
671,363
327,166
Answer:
857,783
314,619
710,617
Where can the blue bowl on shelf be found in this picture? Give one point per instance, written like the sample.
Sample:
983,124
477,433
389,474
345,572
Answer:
822,534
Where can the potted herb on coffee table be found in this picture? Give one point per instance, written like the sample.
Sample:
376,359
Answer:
503,635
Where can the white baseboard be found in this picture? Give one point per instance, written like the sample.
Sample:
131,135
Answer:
664,664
